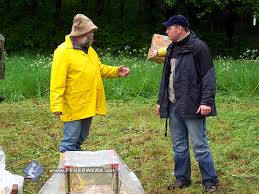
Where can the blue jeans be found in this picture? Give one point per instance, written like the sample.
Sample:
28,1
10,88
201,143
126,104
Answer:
181,129
75,133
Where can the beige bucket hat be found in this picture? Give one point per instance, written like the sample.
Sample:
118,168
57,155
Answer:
82,25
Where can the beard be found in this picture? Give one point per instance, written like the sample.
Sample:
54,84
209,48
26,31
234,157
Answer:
86,41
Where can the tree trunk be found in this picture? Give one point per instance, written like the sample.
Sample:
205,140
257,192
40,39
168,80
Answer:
7,6
57,20
100,7
152,18
58,9
122,7
84,4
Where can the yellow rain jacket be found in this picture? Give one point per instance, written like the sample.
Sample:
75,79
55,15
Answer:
76,87
162,52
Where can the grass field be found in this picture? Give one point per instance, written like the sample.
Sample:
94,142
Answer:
28,131
28,75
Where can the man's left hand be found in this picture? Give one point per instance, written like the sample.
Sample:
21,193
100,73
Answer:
123,71
204,110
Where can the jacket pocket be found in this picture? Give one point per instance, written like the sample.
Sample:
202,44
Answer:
190,105
80,94
185,106
80,98
79,87
196,96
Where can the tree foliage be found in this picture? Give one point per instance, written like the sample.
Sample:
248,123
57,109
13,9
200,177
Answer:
42,25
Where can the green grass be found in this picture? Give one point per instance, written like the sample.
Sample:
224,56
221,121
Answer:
28,76
28,131
238,77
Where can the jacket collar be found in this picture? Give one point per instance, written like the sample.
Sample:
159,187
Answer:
72,43
186,42
68,42
184,39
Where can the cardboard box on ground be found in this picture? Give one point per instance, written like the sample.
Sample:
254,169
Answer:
158,41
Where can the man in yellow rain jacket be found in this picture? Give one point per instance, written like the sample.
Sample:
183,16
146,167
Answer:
160,52
76,88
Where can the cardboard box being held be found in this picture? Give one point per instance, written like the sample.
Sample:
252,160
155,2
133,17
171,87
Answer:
158,41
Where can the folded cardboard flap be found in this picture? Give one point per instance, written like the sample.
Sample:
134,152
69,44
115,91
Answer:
158,41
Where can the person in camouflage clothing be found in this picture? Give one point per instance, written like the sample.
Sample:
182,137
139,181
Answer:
2,62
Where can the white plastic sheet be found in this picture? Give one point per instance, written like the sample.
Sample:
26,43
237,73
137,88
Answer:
2,159
7,179
92,173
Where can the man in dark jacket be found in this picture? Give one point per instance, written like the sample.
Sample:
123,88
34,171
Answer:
2,64
187,97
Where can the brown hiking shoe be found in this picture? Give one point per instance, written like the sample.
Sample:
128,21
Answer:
178,185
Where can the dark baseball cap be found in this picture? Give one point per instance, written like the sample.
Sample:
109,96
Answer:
177,20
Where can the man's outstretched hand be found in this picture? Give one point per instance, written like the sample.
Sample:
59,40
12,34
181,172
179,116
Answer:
123,71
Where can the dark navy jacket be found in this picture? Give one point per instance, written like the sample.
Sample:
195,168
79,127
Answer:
194,80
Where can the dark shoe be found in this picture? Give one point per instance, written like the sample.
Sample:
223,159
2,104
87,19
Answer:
210,188
2,98
179,185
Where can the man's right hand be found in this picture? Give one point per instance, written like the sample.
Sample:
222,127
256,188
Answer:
58,113
153,53
158,109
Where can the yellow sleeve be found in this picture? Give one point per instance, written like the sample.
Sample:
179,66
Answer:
162,52
106,70
109,71
58,81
